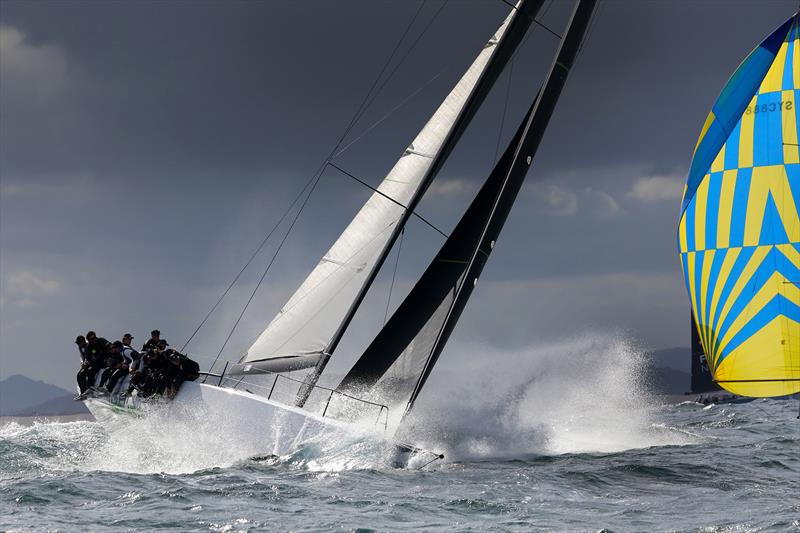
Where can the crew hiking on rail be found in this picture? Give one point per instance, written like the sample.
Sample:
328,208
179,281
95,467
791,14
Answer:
156,370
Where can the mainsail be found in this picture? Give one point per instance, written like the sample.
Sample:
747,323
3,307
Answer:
739,231
397,363
308,327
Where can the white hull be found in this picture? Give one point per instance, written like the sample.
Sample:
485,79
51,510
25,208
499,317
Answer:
245,417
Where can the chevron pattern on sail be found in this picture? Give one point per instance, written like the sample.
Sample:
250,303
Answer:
304,327
739,232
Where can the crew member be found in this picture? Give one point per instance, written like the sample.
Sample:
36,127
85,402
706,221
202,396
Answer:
122,368
96,352
114,361
155,337
83,373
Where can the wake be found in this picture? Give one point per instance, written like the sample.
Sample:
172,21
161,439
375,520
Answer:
160,444
585,395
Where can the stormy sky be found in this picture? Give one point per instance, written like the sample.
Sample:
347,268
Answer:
146,148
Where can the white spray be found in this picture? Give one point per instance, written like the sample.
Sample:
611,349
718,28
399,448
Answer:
585,395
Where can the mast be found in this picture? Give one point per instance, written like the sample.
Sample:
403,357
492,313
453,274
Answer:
505,48
701,374
406,349
535,126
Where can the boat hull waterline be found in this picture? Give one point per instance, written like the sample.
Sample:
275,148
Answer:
246,417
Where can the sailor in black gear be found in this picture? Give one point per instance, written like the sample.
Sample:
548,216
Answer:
141,368
122,367
83,373
149,378
114,361
158,367
174,375
191,369
155,336
96,352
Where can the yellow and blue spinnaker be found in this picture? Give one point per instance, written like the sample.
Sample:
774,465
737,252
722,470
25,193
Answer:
739,231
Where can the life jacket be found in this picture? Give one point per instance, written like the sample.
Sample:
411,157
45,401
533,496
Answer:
150,344
190,368
129,354
96,351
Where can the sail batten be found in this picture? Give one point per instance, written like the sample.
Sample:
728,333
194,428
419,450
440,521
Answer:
739,231
316,316
397,363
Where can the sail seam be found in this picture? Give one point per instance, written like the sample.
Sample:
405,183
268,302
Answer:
312,289
764,380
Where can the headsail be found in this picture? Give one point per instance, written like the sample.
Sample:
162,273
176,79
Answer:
307,328
739,231
399,360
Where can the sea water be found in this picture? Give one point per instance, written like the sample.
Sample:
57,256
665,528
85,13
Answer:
569,440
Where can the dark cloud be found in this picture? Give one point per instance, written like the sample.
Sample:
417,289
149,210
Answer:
146,148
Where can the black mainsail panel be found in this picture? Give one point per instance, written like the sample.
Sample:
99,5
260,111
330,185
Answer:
504,49
309,326
500,49
397,363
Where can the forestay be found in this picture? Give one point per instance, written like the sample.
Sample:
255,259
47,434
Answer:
739,232
395,366
300,333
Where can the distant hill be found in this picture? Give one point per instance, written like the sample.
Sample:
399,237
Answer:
674,358
667,381
63,405
669,371
22,396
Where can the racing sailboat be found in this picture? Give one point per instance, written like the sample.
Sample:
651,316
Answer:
387,379
739,231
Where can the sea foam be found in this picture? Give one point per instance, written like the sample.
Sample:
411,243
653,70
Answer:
583,395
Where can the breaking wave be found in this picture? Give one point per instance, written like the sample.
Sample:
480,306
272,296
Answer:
158,444
584,395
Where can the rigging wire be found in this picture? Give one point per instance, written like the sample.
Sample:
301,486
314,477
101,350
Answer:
436,458
460,283
367,100
394,275
323,304
511,72
540,24
505,109
264,275
410,49
390,113
373,189
253,256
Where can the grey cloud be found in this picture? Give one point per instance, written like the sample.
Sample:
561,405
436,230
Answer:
553,199
657,188
147,147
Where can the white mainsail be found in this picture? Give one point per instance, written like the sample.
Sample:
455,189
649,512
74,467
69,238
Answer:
299,334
